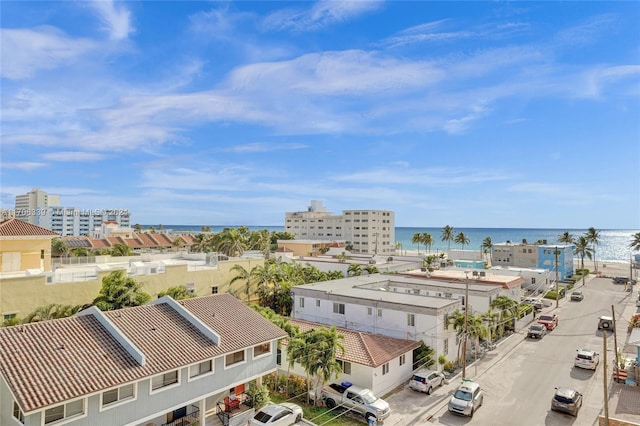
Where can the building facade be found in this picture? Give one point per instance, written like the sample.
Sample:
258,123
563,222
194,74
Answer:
24,246
29,206
532,256
365,231
72,221
150,365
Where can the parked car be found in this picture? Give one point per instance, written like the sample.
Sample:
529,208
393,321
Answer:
467,399
586,358
620,280
426,381
537,331
283,414
605,323
577,296
567,400
357,399
548,320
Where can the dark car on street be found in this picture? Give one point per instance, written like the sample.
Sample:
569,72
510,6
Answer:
537,331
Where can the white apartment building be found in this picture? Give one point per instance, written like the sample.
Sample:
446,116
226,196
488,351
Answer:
366,231
72,221
29,205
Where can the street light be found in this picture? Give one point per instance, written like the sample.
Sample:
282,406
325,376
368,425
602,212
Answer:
466,325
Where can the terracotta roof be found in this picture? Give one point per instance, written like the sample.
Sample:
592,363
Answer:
147,240
114,241
368,349
19,228
163,239
48,362
98,243
133,242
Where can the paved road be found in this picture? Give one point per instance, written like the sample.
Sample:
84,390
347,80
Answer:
519,377
519,387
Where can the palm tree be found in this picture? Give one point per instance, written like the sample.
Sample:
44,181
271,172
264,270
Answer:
462,239
476,329
354,270
59,247
177,292
201,243
52,311
593,236
231,242
583,250
456,319
119,291
417,239
566,238
322,346
635,242
487,245
507,310
427,240
121,250
447,235
137,227
371,269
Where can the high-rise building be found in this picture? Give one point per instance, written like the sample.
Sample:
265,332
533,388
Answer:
366,231
72,221
29,205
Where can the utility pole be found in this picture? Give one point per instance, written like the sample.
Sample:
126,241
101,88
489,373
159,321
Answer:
555,252
466,325
604,378
615,336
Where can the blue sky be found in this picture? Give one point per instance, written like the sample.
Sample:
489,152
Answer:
471,114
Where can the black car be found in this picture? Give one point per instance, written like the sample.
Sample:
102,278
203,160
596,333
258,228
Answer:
537,331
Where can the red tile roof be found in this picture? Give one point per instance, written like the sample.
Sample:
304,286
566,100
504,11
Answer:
19,228
49,362
367,349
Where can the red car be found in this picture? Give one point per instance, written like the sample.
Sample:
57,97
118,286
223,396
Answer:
548,320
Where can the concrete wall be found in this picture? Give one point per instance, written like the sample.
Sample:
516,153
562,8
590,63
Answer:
23,295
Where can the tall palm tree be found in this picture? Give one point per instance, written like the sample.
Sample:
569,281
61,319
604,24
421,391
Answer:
462,239
635,242
593,236
231,242
456,319
447,235
244,275
583,250
566,238
507,310
417,239
487,245
427,240
121,250
322,346
477,330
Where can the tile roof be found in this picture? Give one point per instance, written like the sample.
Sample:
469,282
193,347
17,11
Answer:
18,228
368,349
48,362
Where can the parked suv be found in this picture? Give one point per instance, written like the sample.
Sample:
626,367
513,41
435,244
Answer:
567,400
548,320
426,381
467,399
586,358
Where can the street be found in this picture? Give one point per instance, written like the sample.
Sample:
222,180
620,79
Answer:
519,377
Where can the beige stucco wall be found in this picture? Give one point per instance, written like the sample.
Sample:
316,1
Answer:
30,252
23,295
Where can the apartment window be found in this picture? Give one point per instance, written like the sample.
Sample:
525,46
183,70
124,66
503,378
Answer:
380,312
533,280
234,358
214,290
201,368
17,413
411,320
402,359
262,349
345,366
65,411
369,311
385,368
164,380
445,350
338,308
317,303
118,394
301,303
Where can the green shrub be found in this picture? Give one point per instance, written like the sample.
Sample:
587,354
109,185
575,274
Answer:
448,367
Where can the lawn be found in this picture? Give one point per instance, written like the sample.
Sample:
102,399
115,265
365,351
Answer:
321,415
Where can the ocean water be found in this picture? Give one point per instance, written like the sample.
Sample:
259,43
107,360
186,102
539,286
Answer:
613,247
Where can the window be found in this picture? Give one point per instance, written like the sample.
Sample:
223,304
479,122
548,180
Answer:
446,346
379,312
118,394
346,366
317,303
214,290
64,411
411,320
164,380
385,368
262,349
402,359
533,280
369,311
17,413
338,308
202,368
301,302
234,358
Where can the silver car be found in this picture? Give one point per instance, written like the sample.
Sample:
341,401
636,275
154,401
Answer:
467,399
567,400
283,414
426,381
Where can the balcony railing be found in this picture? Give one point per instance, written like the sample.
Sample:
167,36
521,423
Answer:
190,419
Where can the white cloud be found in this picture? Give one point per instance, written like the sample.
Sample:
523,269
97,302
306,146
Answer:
73,156
266,147
115,17
27,51
26,166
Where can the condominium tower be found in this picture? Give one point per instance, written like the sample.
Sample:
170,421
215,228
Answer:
29,205
366,231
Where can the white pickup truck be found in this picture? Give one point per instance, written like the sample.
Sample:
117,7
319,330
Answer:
357,399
